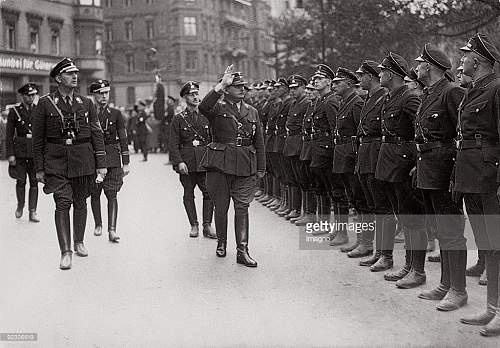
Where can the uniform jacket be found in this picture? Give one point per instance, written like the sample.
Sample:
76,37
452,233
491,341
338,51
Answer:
19,140
188,140
370,127
344,156
281,123
307,131
141,125
296,114
476,169
324,119
396,160
115,136
271,126
436,121
228,124
67,160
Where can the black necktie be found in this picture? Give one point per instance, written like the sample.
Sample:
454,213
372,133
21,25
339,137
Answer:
68,100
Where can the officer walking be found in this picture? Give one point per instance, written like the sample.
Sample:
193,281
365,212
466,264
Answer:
19,149
115,141
476,169
68,146
435,129
189,136
234,159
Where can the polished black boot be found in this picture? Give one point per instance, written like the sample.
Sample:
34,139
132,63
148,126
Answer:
221,231
32,204
395,276
63,237
493,272
112,217
478,268
95,204
190,208
416,276
457,295
21,198
372,260
288,206
79,222
208,212
439,292
341,237
241,232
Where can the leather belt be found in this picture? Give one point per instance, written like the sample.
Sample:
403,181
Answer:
365,139
392,139
191,144
317,135
340,140
474,143
294,132
238,142
69,141
433,145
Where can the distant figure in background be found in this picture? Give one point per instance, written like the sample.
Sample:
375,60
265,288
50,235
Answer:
20,149
142,129
159,99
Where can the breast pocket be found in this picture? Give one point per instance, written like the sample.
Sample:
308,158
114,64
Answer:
433,120
476,108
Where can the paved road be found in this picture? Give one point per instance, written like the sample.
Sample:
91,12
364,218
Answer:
159,288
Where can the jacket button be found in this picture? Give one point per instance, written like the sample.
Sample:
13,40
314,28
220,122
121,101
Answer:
477,110
404,156
420,158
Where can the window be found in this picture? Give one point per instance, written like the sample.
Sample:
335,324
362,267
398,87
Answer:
108,3
131,95
127,3
34,39
130,63
11,36
205,31
191,60
108,32
149,29
129,30
55,42
190,26
98,44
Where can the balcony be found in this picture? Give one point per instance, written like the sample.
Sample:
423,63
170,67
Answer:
85,13
232,19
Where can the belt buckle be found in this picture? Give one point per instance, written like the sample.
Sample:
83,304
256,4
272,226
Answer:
239,141
196,143
68,141
29,135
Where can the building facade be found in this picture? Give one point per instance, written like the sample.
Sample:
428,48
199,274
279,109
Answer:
182,40
36,34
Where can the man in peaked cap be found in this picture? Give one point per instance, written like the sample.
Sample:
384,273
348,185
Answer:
293,145
476,168
328,185
436,124
396,162
117,159
68,151
344,158
19,148
143,129
370,138
235,159
414,84
189,136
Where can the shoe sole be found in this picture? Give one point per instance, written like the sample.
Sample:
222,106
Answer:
247,265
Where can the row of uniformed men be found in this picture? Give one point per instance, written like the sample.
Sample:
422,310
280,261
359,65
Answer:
75,148
398,157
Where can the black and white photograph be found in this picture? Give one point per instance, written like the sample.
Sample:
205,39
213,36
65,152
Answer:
249,173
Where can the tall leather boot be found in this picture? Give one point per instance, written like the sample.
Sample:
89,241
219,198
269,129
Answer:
283,199
295,203
342,217
439,292
492,293
417,276
79,222
276,202
190,208
457,296
112,217
208,212
303,207
478,268
286,206
95,204
493,327
372,260
395,276
365,246
349,248
310,206
324,212
221,231
64,237
241,232
386,228
21,198
32,203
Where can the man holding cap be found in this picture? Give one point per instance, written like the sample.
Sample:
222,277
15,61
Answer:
115,140
189,136
68,151
435,131
234,159
19,149
476,169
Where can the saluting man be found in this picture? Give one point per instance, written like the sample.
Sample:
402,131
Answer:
68,146
19,146
115,140
234,159
189,136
